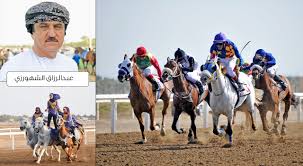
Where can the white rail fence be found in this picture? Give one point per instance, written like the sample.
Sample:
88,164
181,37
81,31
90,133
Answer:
12,132
202,108
117,98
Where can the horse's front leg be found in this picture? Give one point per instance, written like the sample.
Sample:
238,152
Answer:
193,128
215,123
59,152
229,132
140,120
176,117
165,99
35,149
152,119
41,154
285,116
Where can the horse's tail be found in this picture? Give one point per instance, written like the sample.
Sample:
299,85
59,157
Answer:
294,100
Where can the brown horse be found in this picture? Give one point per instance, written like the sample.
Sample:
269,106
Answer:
272,96
142,97
186,98
64,136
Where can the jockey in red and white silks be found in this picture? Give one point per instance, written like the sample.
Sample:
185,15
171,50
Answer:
149,65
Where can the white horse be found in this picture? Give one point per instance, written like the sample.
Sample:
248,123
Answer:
31,136
224,98
44,139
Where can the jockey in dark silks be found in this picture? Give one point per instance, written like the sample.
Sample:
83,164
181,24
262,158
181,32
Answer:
189,67
36,115
70,122
267,61
53,109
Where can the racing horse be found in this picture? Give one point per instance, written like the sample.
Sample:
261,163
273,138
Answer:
272,96
44,139
186,98
224,98
87,61
142,97
65,137
31,136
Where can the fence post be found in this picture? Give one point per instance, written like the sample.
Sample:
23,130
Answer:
113,116
299,110
146,121
85,137
97,112
13,142
133,114
205,114
10,132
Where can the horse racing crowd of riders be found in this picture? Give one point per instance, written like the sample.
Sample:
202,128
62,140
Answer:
54,112
223,49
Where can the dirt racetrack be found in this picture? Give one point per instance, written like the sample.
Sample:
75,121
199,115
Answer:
249,148
23,157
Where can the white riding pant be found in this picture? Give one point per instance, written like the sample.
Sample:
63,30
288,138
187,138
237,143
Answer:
272,70
193,76
229,64
152,70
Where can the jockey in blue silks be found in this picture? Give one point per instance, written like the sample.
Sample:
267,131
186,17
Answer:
228,53
53,109
267,61
36,115
188,66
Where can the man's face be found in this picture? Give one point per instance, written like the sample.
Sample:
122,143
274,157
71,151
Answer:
219,46
48,36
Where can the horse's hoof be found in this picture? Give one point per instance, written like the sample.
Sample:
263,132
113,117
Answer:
141,141
193,141
229,145
182,131
163,133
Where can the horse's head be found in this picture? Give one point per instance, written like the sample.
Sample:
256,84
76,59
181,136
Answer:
208,69
60,121
24,123
257,71
125,69
171,68
39,124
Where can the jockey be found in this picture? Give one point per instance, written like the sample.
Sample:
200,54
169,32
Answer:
147,62
267,61
188,66
36,115
70,121
228,53
53,109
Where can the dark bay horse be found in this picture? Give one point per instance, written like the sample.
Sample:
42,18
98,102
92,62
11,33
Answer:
186,98
142,97
272,96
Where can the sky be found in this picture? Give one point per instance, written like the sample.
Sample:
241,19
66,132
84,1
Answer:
20,101
163,26
12,17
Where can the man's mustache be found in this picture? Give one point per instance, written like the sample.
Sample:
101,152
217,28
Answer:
51,39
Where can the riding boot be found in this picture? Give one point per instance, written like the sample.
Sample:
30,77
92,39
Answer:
280,81
155,83
199,85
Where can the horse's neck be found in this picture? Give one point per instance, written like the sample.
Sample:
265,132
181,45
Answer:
139,85
63,131
180,84
219,83
30,130
265,82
